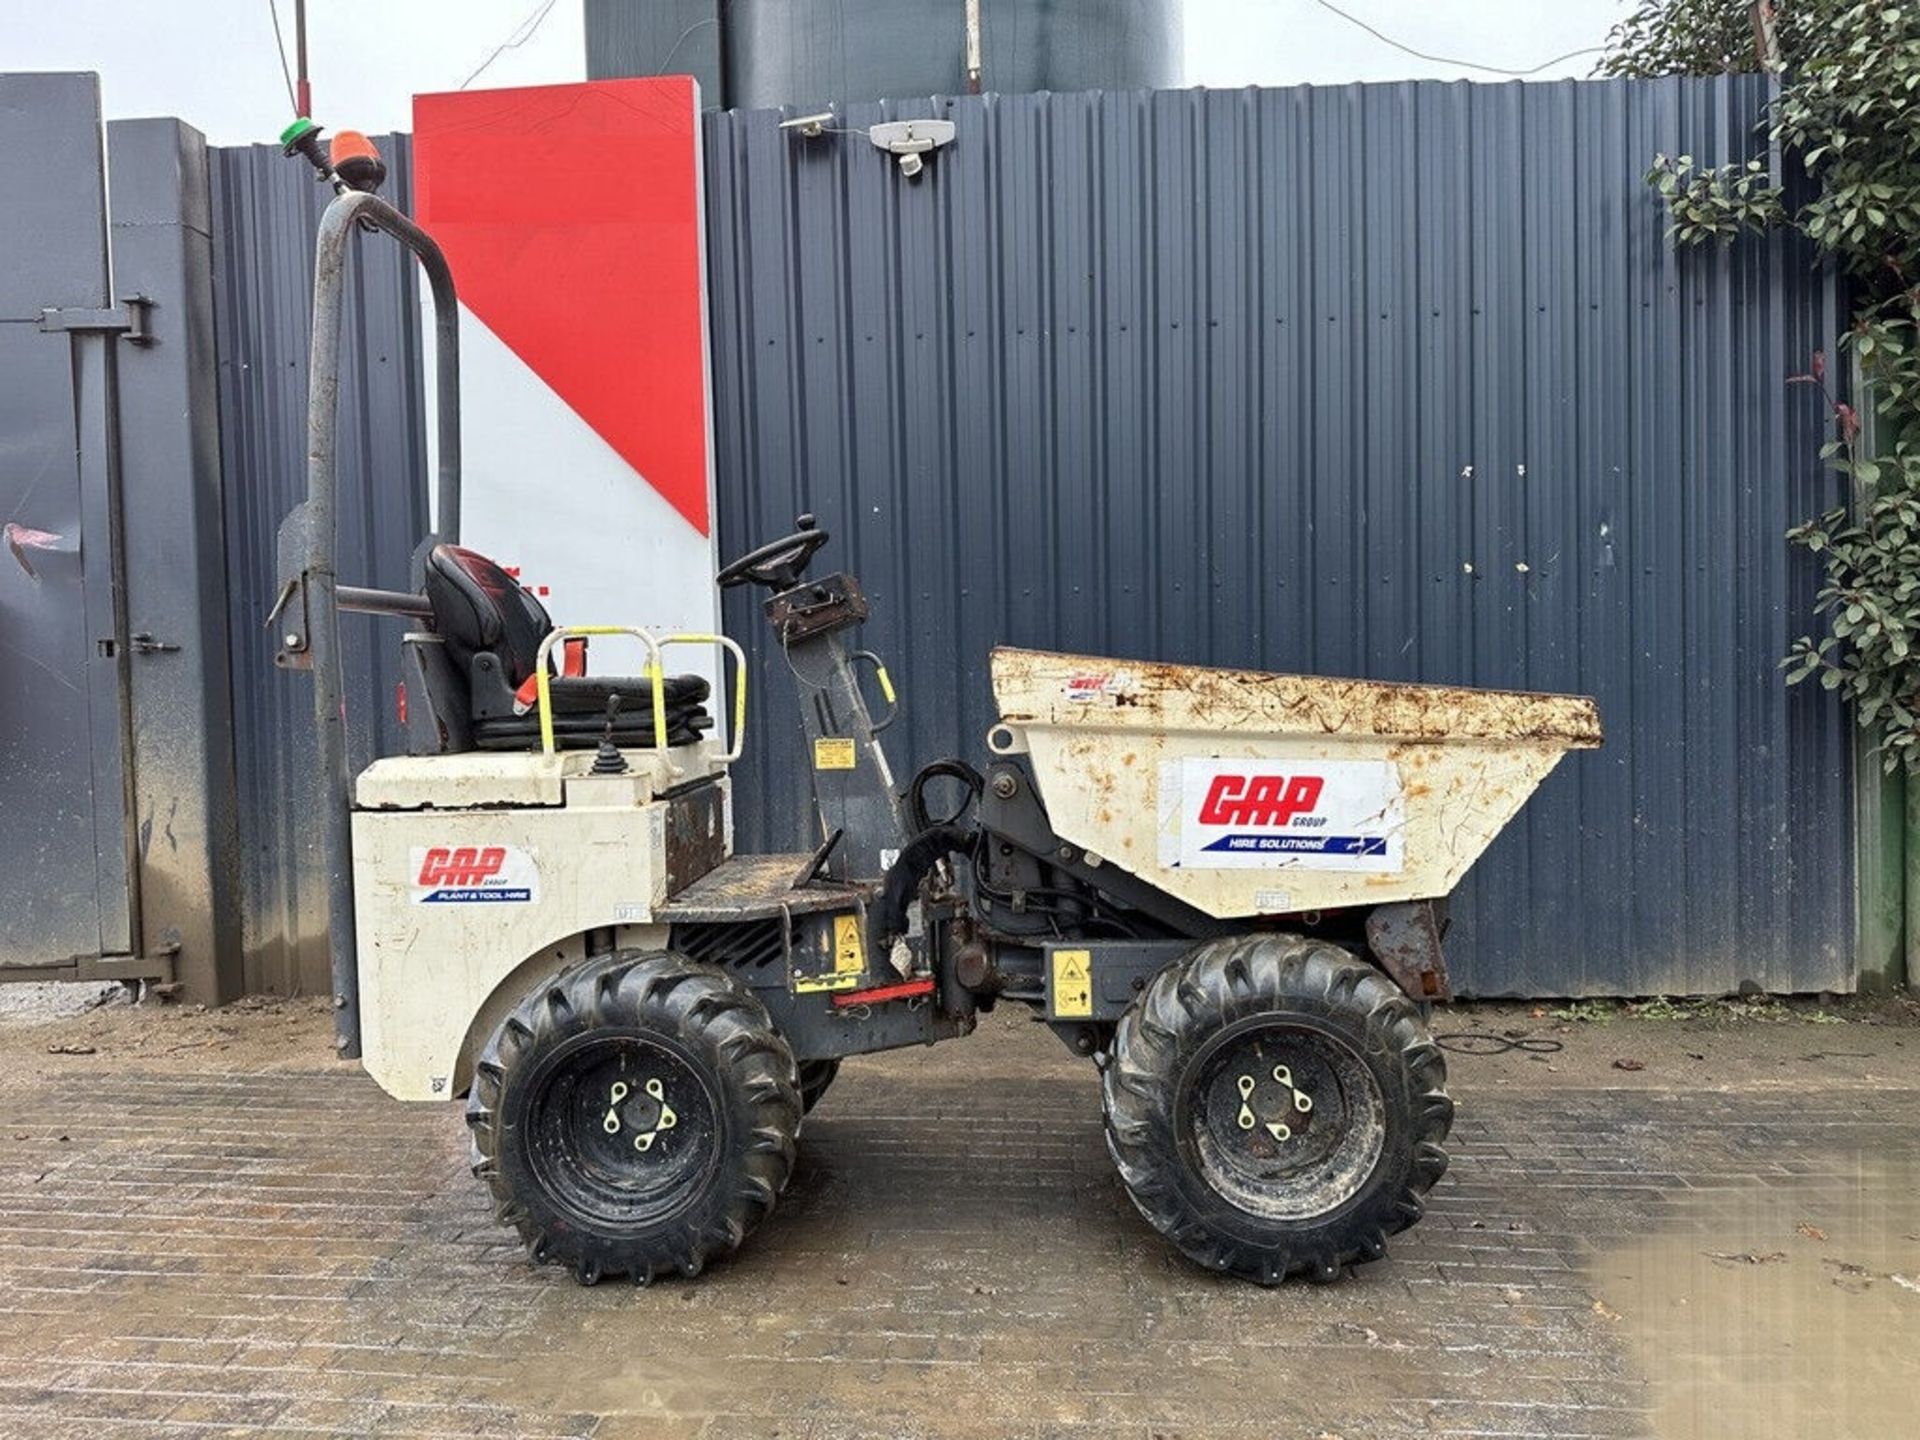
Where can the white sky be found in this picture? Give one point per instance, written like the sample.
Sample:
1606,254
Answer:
212,62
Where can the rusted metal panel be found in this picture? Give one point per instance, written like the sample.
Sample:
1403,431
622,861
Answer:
696,834
1091,691
1406,940
758,887
1150,375
1109,743
829,603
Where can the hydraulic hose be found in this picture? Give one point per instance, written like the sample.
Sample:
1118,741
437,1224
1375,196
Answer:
940,770
888,918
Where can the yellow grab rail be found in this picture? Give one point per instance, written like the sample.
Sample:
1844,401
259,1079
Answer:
654,675
739,736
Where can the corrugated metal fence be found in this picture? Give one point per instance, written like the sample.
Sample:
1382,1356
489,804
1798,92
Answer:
266,210
1392,381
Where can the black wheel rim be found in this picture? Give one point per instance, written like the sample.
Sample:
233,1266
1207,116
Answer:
1282,1119
623,1129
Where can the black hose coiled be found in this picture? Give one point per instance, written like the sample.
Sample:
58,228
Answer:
959,770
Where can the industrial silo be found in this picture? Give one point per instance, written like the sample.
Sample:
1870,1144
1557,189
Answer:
806,53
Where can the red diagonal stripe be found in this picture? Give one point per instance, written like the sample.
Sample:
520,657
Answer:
571,215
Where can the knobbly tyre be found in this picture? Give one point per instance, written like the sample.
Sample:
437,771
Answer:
1225,888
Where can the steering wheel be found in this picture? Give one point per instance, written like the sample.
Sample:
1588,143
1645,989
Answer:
777,564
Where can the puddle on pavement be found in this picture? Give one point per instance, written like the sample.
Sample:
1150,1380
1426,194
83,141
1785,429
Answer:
1780,1309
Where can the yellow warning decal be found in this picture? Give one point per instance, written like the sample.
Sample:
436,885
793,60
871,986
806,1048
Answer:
1072,982
833,752
815,984
849,961
849,957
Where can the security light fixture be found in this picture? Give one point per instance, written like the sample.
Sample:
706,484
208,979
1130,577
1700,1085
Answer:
810,126
909,140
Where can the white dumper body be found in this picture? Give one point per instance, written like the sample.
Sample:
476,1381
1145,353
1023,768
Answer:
1243,793
639,1019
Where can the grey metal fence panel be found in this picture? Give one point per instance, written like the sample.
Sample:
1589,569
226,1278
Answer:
266,209
171,511
63,846
1394,381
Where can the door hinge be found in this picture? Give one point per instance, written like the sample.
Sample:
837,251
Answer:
131,318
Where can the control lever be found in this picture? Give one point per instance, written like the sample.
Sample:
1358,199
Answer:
608,760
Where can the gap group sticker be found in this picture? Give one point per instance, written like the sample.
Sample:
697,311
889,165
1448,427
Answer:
1085,688
473,875
1272,814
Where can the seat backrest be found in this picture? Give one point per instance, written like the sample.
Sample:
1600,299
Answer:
478,606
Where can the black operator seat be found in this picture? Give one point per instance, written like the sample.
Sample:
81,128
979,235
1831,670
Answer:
492,629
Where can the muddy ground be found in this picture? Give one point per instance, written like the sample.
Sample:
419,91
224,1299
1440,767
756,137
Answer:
1690,1222
1653,1044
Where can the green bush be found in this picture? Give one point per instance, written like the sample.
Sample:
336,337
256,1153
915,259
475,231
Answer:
1848,110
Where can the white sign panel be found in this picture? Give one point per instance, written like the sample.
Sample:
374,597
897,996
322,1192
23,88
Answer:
473,875
1275,814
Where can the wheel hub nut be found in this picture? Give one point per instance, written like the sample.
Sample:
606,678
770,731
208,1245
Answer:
1297,1106
663,1117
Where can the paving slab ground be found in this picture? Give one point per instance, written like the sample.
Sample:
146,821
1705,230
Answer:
207,1228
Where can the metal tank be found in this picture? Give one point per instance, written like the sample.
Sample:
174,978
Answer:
753,54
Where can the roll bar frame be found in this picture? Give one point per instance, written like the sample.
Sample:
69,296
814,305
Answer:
311,596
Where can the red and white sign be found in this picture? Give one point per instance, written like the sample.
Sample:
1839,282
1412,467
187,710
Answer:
1274,814
572,218
473,875
1089,687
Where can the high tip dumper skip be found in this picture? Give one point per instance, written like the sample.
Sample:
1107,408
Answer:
1227,889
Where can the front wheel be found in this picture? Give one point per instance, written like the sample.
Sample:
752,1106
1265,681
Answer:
635,1116
1275,1105
815,1077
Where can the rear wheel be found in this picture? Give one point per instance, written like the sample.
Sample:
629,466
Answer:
635,1116
1276,1106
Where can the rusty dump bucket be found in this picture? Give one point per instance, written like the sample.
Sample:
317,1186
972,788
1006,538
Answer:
1244,793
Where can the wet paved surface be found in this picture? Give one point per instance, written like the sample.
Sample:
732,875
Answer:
201,1253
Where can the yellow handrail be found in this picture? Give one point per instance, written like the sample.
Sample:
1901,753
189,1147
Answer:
739,683
654,674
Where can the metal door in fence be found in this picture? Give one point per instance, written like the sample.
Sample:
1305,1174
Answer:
116,757
63,789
